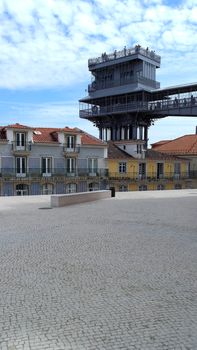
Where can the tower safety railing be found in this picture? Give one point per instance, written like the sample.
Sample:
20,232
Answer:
142,106
125,52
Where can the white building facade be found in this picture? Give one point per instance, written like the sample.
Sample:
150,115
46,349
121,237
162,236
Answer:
37,161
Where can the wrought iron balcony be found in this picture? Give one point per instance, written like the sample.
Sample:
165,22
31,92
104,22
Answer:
71,150
149,177
32,173
21,147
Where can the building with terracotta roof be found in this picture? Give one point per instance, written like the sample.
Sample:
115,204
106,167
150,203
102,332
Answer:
182,147
39,160
132,168
35,160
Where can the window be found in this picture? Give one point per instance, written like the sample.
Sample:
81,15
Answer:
46,166
177,170
20,141
123,188
122,167
143,188
70,165
70,142
142,170
160,170
93,165
71,188
21,166
139,148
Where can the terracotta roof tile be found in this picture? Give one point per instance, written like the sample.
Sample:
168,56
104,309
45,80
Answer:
116,153
184,145
159,143
48,135
156,155
45,135
18,126
67,129
87,139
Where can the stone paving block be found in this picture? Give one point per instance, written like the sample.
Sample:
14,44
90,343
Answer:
118,274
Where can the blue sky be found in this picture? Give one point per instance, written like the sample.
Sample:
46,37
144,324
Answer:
45,46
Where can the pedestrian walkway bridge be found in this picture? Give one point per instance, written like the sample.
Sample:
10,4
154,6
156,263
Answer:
172,101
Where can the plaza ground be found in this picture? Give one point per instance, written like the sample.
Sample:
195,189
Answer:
115,274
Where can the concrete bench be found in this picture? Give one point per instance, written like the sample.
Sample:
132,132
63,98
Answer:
61,200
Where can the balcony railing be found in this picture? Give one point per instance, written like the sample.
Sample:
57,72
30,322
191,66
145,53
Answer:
9,173
74,149
153,176
21,147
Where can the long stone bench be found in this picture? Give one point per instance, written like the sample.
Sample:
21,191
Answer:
61,200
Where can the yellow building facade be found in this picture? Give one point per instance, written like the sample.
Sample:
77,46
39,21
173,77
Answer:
150,171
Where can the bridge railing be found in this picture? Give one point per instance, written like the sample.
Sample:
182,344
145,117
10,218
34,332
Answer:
173,103
87,111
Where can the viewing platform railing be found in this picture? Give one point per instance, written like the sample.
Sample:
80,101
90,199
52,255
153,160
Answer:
140,106
125,52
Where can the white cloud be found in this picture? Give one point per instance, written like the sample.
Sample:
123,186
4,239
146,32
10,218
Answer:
47,43
57,114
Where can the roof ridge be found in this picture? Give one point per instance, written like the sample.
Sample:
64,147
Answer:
91,136
120,150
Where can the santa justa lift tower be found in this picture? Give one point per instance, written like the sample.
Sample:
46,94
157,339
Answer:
124,97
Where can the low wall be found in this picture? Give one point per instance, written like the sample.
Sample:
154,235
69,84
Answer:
61,200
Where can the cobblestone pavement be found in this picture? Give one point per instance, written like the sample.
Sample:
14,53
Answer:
116,274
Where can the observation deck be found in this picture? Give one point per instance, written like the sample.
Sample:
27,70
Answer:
125,95
124,54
